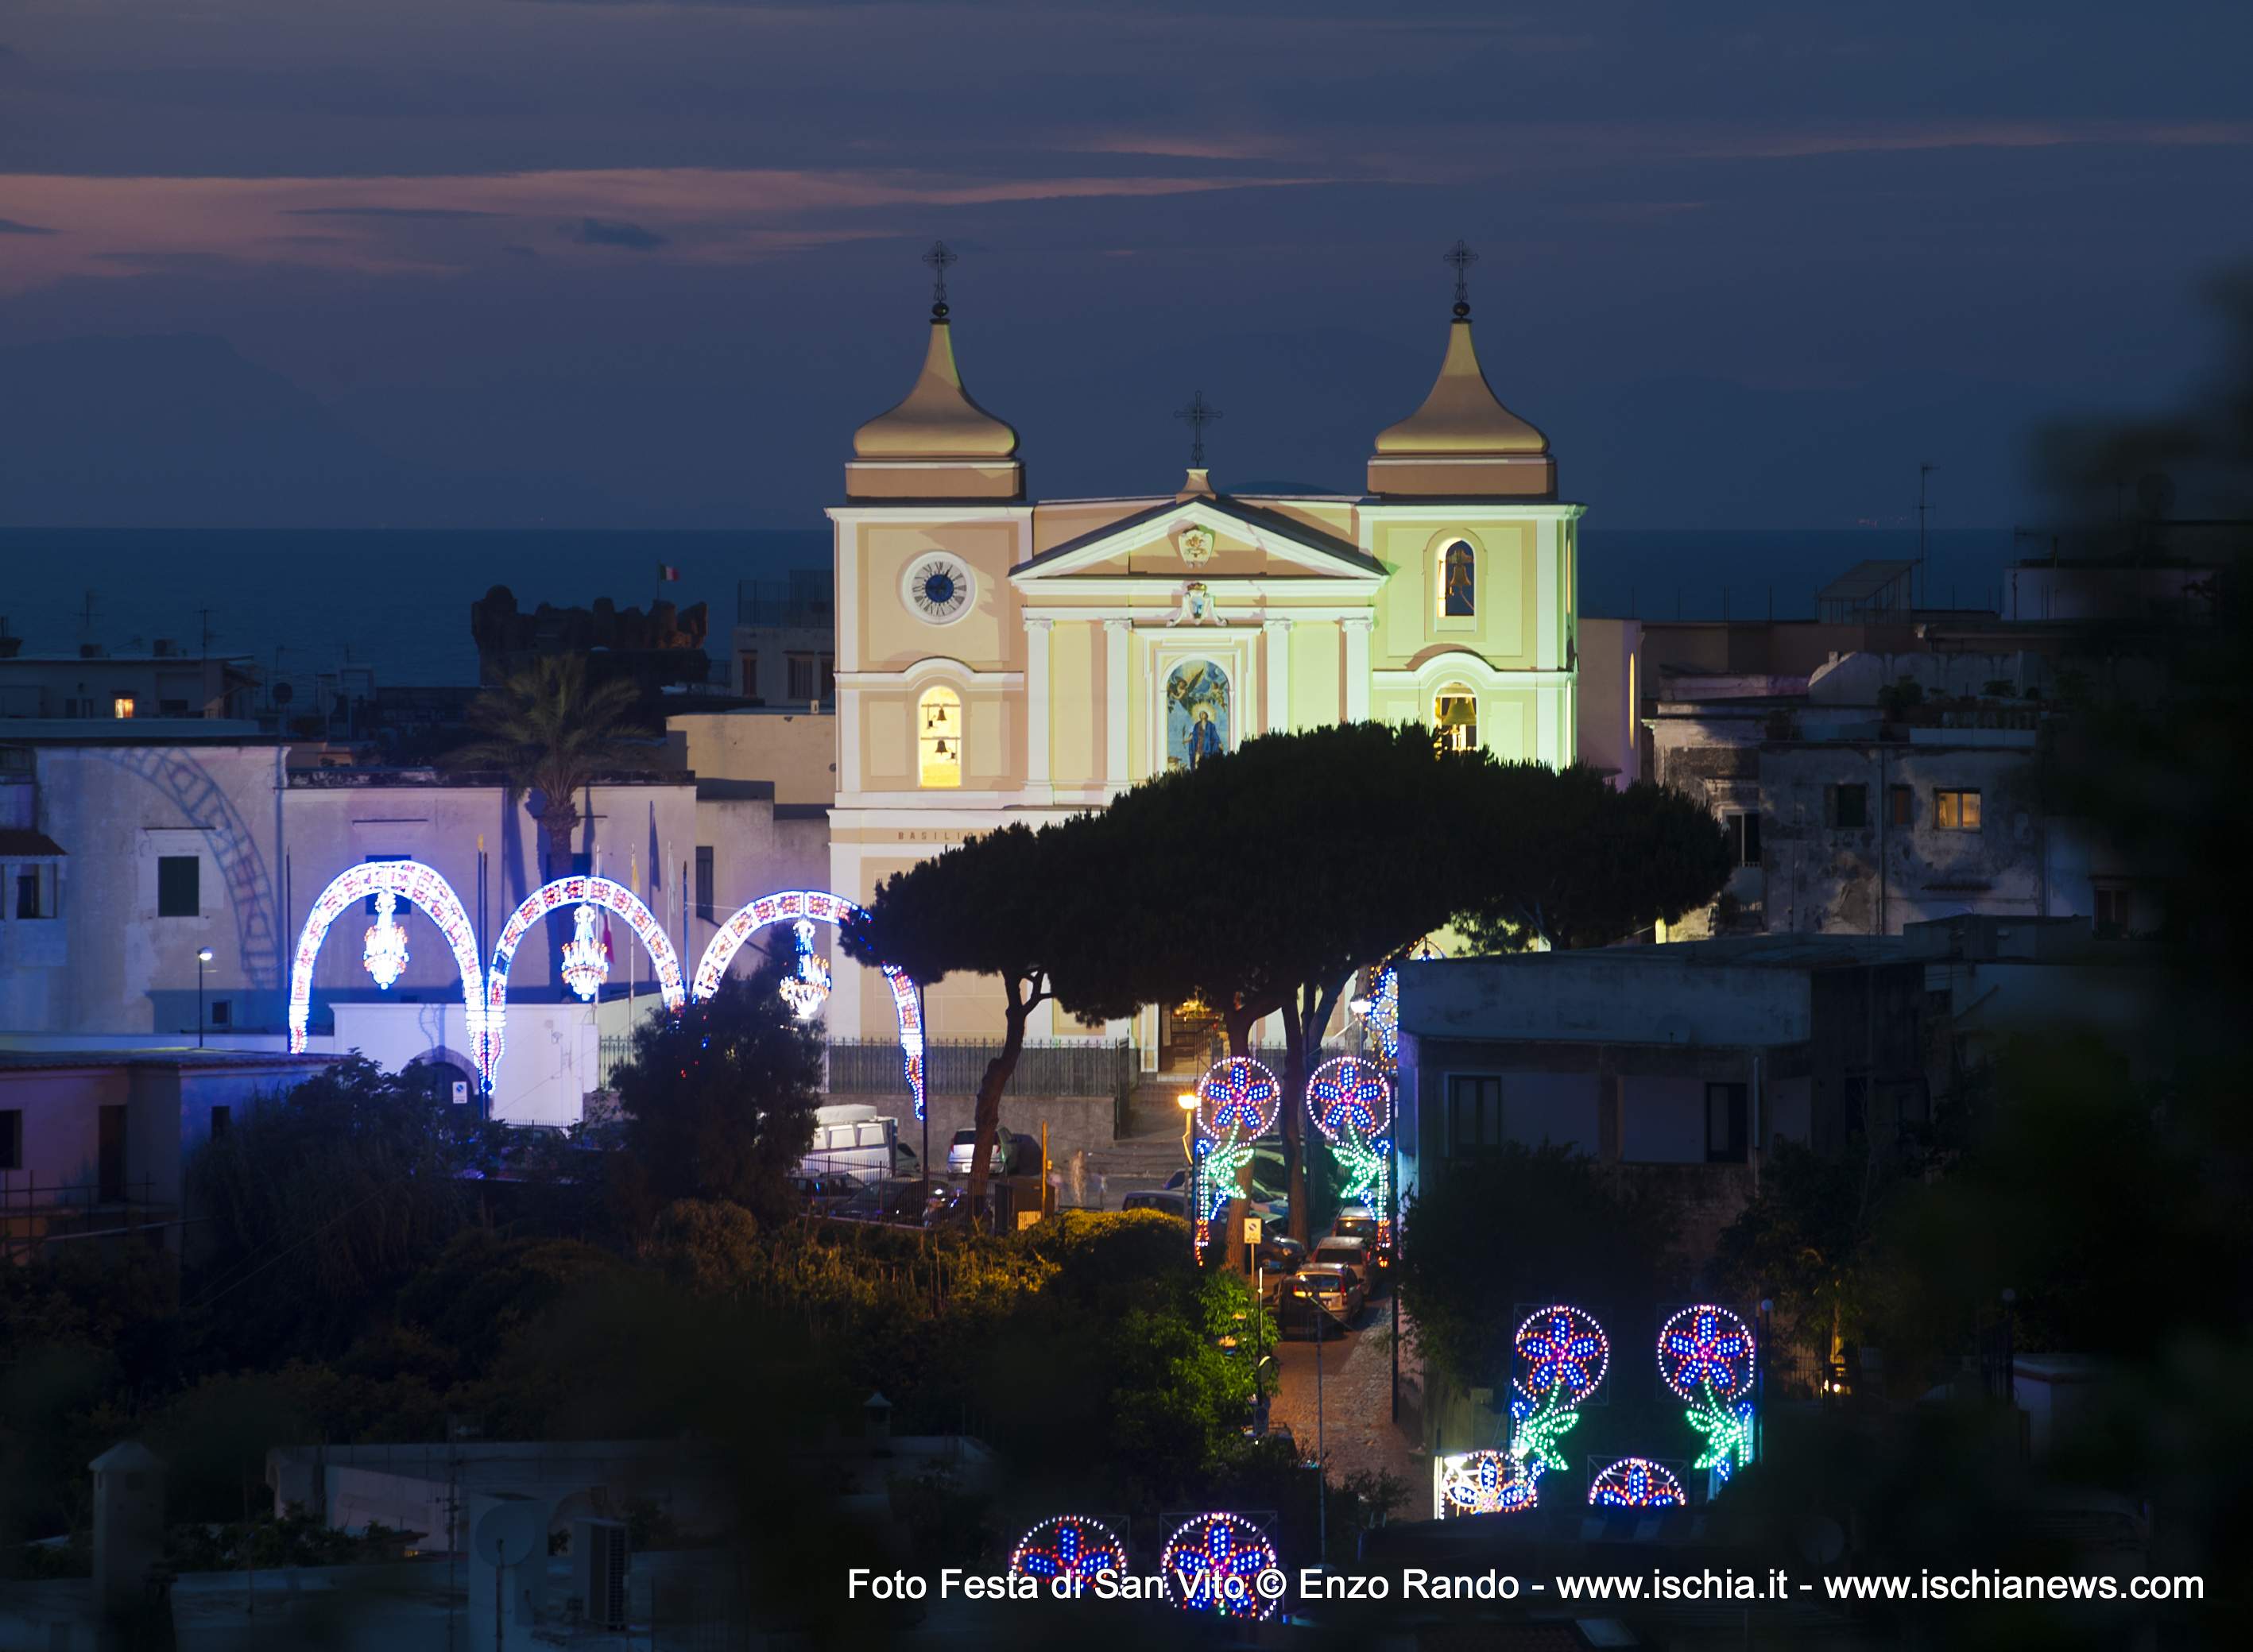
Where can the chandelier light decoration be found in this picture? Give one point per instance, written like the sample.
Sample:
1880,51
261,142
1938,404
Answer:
1213,1562
1705,1355
1637,1483
1485,1483
1237,1101
807,989
586,958
1561,1356
1072,1546
1350,1102
384,952
427,893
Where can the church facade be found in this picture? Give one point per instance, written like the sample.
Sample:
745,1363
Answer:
1003,659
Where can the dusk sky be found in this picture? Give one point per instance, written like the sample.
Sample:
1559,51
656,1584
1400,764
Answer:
521,262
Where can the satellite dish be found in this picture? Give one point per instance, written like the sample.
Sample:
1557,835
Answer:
507,1532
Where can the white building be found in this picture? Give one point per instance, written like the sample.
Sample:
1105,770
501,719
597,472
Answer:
162,888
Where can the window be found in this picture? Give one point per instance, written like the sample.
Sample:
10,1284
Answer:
179,886
1473,1112
35,891
1458,582
1724,1124
811,676
1454,718
939,714
1846,808
12,1138
222,1120
402,906
109,1159
1743,834
1956,811
172,709
222,1011
122,707
748,665
1900,805
704,881
2112,911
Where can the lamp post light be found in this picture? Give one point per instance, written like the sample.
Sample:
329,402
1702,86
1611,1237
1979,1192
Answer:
1186,1101
203,957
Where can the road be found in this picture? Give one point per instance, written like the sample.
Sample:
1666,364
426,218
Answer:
1358,1432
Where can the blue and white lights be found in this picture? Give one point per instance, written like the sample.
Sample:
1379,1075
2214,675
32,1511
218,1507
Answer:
1212,1563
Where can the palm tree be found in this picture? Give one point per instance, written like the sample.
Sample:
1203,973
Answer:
549,731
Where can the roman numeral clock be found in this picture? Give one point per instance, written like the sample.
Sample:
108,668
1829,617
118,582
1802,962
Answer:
940,588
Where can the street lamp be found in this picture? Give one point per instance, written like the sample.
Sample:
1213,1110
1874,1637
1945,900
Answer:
1186,1101
202,959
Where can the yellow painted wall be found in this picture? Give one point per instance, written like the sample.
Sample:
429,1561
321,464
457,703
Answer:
990,637
1076,701
1317,674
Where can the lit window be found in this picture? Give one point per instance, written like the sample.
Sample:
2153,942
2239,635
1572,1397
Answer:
1454,718
1957,810
940,714
1458,582
122,707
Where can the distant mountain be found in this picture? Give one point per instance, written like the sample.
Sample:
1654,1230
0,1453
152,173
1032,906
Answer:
181,430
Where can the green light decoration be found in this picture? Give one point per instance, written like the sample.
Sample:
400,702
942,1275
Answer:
1535,1429
1728,1427
1364,1172
1218,1169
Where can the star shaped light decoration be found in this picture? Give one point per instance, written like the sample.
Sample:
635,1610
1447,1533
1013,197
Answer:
1238,1098
1210,1562
1561,1349
1705,1348
1348,1094
1068,1546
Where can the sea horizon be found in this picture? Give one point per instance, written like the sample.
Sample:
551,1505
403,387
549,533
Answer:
306,600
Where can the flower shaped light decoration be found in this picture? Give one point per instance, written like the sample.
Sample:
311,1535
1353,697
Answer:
1236,1102
1706,1355
1486,1482
1561,1355
1350,1102
1637,1482
1072,1546
1211,1565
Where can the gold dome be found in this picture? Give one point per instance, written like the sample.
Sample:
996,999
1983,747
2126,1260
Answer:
937,420
1462,441
1461,415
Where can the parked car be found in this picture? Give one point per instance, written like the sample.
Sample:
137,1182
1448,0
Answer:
1014,1154
1323,1295
1172,1204
1348,1252
830,1189
896,1199
1279,1258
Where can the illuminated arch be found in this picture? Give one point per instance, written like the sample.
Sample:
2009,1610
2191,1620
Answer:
433,896
599,892
788,906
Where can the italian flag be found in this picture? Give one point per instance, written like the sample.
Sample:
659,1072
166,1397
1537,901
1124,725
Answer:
668,573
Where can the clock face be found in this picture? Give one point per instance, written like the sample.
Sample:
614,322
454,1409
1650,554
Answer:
939,588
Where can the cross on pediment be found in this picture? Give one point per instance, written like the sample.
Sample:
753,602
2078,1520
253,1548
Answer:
1199,413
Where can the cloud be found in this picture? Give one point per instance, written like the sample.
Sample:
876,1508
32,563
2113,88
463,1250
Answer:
608,232
387,212
9,227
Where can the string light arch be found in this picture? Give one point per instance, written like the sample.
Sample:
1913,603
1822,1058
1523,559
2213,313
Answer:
576,891
430,894
787,906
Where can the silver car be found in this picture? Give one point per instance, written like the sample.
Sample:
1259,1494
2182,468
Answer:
1013,1155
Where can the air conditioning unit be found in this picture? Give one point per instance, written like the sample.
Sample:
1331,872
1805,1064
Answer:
598,1568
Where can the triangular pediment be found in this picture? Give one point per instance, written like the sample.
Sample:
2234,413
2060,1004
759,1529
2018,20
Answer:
1210,538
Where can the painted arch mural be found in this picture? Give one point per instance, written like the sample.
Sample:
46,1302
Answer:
788,906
